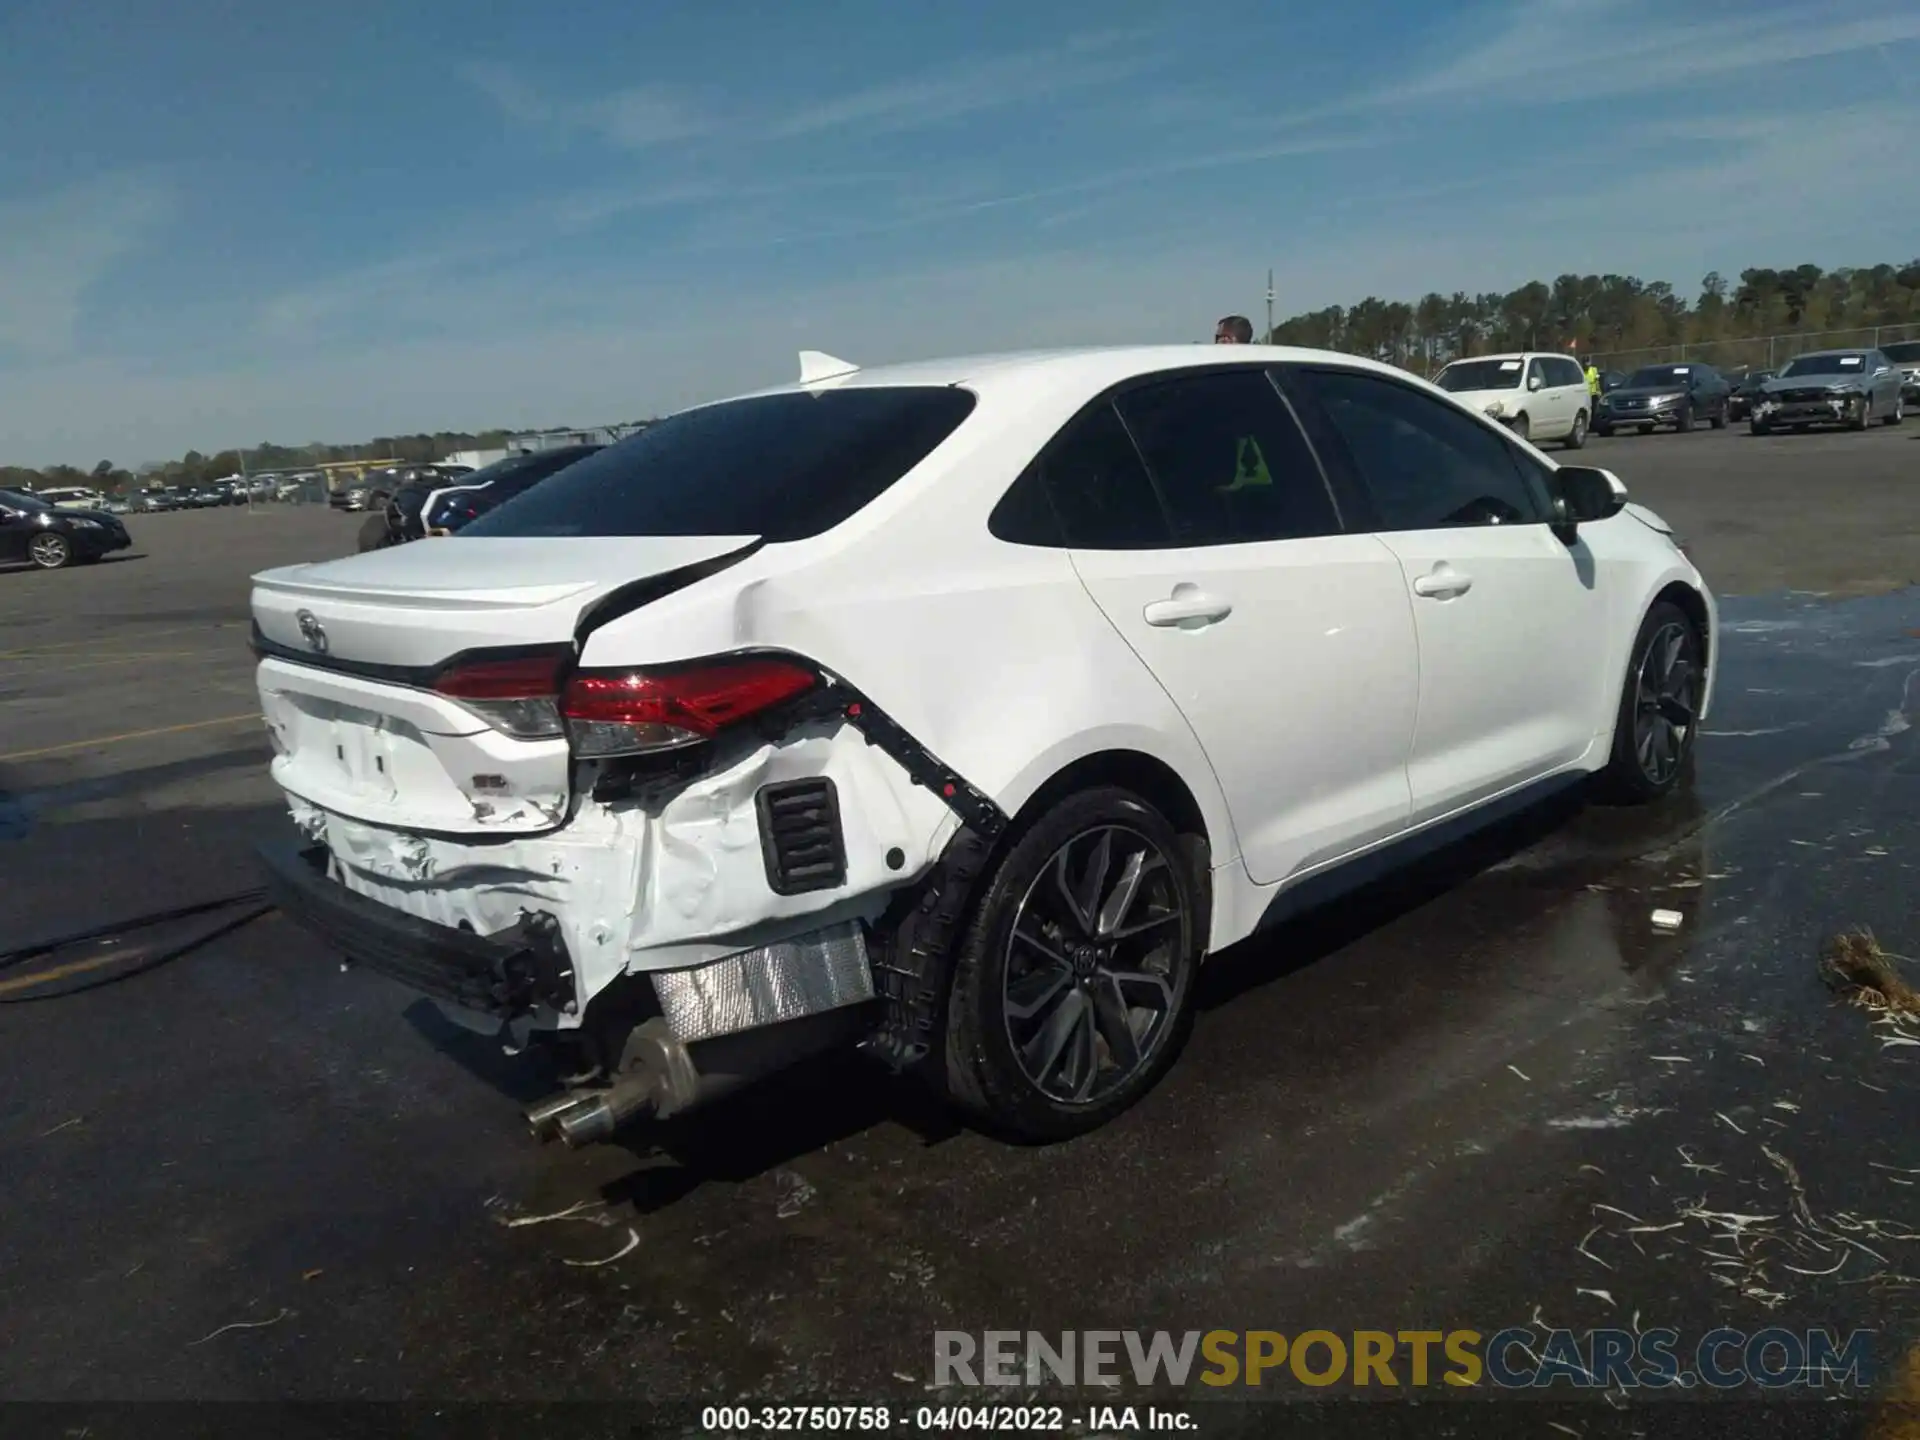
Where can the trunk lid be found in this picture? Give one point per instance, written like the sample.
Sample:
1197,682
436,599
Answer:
351,647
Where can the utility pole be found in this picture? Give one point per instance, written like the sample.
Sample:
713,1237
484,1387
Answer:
1269,307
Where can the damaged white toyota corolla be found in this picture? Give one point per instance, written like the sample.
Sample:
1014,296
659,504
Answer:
953,710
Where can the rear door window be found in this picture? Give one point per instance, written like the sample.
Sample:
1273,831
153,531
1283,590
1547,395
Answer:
1231,466
781,467
1087,491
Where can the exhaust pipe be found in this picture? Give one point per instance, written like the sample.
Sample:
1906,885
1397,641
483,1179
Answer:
658,1074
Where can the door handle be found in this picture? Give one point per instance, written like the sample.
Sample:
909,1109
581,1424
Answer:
1185,606
1443,583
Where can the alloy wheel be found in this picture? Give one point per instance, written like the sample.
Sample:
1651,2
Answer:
1092,964
49,552
1666,702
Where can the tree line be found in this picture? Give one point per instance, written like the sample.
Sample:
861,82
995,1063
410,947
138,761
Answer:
1579,312
1613,313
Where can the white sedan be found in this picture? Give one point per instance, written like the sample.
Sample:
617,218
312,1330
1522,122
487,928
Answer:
958,710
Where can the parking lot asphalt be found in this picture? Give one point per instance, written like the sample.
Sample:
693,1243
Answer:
1489,1092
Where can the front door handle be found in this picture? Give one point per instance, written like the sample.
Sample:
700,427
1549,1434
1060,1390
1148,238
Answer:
1443,583
1189,606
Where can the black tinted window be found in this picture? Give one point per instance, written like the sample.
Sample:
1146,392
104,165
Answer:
1902,352
1565,372
1425,463
782,467
1088,490
1230,464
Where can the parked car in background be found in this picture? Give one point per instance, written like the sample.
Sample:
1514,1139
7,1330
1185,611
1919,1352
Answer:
1680,395
1905,354
1831,387
1538,397
51,538
957,709
73,497
1745,392
1611,380
451,508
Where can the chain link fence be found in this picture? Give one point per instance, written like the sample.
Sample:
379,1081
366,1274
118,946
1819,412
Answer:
1761,352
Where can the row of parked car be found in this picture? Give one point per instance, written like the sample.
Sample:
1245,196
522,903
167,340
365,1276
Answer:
1546,396
438,500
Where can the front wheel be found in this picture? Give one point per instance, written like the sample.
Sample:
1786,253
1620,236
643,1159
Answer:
1522,427
1073,986
1685,423
1862,417
1719,418
1577,436
1603,430
1658,718
50,552
1759,427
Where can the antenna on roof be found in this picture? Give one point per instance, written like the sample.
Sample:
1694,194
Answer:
818,365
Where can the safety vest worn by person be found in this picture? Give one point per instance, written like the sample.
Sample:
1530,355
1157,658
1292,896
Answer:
1593,379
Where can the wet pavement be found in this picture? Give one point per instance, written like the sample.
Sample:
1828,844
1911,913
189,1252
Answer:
1481,1094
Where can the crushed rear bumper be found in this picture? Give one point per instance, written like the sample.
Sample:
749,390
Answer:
507,974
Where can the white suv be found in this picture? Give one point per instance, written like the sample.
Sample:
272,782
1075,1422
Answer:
1538,397
956,710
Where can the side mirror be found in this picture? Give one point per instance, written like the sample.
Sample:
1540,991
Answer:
1583,494
1533,382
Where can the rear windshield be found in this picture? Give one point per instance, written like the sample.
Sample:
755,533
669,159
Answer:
782,467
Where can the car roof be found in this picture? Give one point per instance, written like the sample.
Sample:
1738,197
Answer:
1087,371
1822,354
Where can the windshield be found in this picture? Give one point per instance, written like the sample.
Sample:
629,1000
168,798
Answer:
1652,377
1850,364
1902,352
1464,375
780,467
18,500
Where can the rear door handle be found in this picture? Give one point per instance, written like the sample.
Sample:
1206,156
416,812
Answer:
1187,606
1442,583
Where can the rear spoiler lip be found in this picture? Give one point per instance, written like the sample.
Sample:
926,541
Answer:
622,600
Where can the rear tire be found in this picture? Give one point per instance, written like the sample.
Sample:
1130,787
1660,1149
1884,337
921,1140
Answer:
1054,1033
1899,410
1577,436
1659,715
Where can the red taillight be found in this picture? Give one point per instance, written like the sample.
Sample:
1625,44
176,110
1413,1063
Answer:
519,695
632,712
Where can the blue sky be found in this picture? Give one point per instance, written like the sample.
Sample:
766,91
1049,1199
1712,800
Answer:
225,223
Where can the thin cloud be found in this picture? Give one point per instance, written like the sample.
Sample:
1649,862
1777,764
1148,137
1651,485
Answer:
972,87
1564,50
637,118
56,248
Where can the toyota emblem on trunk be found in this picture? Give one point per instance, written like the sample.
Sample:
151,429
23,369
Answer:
312,631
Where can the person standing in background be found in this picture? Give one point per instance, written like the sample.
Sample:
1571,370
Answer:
1233,330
